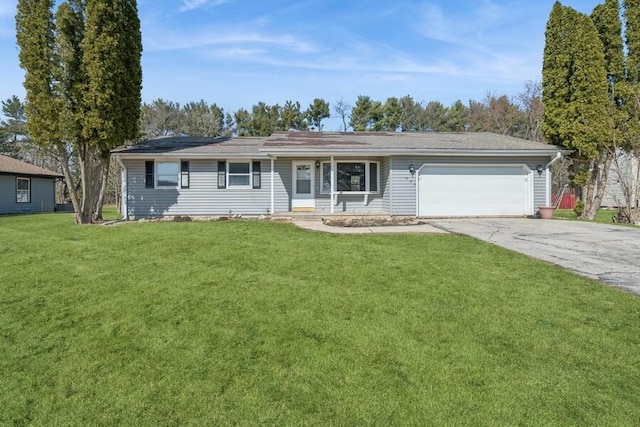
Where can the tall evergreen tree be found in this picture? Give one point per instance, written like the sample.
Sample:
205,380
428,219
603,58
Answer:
392,111
367,115
83,80
317,111
264,119
457,117
575,96
14,128
291,117
632,38
606,18
410,112
630,144
433,117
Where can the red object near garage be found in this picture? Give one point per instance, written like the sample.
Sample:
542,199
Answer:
568,200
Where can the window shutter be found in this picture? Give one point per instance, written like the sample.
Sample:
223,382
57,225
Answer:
373,176
184,174
256,174
222,174
148,176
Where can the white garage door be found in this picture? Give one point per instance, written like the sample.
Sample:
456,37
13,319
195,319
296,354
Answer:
474,191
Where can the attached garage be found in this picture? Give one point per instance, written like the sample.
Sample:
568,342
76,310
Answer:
475,190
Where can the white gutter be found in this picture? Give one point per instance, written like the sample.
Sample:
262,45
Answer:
548,177
187,156
337,151
123,189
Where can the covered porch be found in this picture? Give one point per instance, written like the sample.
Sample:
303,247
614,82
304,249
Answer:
328,185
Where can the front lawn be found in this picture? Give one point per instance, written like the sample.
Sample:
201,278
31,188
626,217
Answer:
247,322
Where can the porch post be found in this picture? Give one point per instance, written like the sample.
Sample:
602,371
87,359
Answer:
333,184
273,188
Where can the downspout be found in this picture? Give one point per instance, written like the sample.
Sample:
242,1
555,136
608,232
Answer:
273,189
123,189
548,177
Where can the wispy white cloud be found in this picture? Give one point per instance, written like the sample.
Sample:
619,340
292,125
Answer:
471,29
239,53
485,38
235,39
188,5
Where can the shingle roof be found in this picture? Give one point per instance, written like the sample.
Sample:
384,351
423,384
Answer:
180,145
383,143
403,140
9,165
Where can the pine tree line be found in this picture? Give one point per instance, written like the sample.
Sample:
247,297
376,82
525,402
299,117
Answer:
518,116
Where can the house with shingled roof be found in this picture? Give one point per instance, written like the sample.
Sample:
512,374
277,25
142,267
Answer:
370,173
26,188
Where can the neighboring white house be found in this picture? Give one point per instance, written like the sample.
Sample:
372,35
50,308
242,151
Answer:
387,173
627,172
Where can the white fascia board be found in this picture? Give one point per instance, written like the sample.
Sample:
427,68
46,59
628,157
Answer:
412,152
187,156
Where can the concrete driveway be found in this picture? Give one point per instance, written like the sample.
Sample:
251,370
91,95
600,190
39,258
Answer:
608,253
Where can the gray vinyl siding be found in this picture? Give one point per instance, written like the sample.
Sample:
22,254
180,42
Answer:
539,187
385,183
283,188
203,197
403,185
43,195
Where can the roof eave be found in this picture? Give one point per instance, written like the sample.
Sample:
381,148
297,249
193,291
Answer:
32,175
179,155
416,152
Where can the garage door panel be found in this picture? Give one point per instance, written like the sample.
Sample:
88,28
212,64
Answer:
473,191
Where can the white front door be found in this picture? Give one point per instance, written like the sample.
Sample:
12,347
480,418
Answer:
303,197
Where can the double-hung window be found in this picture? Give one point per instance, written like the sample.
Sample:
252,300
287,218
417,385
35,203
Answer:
355,177
23,190
239,174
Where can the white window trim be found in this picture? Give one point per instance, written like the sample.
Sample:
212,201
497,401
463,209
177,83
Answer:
18,191
157,174
367,177
249,174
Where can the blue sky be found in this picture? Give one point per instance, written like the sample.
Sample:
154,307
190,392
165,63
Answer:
239,52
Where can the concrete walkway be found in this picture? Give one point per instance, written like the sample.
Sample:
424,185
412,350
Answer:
316,224
609,253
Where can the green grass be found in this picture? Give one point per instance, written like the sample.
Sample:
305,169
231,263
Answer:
110,213
247,322
602,216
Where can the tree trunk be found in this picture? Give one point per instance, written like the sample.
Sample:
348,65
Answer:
104,178
90,172
595,188
64,160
